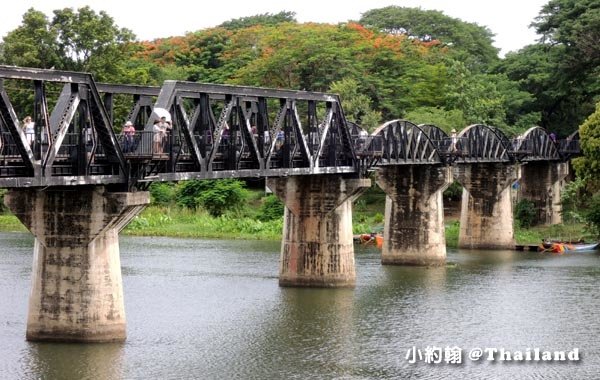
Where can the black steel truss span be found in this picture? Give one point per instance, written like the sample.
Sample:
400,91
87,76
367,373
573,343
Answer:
73,141
218,131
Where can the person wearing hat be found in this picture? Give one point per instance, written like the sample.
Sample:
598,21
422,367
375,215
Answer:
128,137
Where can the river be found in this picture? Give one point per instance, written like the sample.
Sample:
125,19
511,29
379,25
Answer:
212,309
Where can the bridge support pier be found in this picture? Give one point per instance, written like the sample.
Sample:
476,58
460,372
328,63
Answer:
414,214
486,218
541,182
77,292
317,248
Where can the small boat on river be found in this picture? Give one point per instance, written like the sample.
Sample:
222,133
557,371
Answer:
565,247
372,238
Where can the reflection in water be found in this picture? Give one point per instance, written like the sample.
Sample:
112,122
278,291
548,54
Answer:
213,310
311,331
72,361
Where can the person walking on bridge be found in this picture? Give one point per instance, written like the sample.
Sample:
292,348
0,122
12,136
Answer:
29,130
157,138
128,137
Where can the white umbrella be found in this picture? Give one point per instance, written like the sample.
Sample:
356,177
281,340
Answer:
158,112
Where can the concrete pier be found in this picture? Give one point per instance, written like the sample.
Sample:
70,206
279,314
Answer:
541,182
77,291
414,231
317,248
486,218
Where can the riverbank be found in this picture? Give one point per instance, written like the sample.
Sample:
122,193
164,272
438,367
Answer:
176,222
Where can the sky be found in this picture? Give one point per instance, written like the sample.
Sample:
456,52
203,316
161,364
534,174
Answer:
508,19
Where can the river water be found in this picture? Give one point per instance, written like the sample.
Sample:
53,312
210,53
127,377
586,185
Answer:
212,309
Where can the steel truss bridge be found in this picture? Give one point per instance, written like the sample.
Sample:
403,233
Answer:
219,131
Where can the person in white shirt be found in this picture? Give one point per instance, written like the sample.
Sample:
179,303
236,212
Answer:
29,129
159,133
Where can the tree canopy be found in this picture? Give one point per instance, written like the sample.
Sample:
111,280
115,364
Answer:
471,43
261,19
395,62
81,40
562,71
588,166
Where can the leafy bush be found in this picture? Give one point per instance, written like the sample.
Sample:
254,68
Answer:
222,195
3,208
573,199
216,197
187,193
272,208
378,218
453,192
592,215
526,213
162,193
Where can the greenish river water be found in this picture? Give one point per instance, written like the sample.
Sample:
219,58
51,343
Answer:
212,309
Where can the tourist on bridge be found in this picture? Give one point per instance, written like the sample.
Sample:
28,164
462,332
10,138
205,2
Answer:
167,128
29,129
157,139
128,137
454,141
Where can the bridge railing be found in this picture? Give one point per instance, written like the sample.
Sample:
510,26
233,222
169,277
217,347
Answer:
8,148
68,148
368,146
452,148
145,144
521,147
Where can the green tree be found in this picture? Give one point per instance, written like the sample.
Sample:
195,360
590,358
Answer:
91,42
79,40
356,105
162,193
32,44
271,208
444,119
216,196
469,42
562,71
588,166
261,19
576,26
491,99
526,213
308,57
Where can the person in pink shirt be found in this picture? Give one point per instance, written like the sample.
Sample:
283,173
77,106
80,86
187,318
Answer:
128,137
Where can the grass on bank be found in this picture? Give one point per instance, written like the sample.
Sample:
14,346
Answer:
164,221
533,235
179,222
10,223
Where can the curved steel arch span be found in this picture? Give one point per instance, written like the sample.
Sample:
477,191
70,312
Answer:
406,143
536,144
482,143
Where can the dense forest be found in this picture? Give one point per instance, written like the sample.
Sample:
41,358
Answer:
393,62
